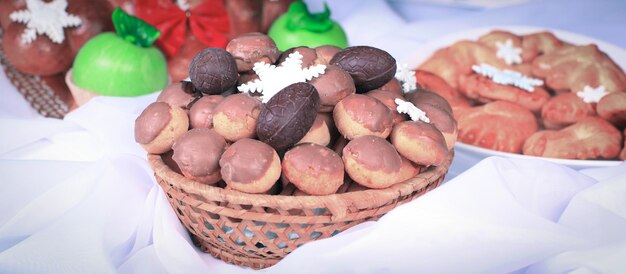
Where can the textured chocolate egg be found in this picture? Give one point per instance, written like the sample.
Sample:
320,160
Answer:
213,71
288,116
369,67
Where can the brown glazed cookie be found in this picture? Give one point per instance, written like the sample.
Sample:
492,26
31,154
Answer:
197,153
178,94
201,113
420,142
314,169
236,116
159,125
319,132
372,162
332,86
250,166
250,48
359,115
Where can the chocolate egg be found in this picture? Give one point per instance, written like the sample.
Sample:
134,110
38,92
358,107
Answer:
369,67
213,71
288,116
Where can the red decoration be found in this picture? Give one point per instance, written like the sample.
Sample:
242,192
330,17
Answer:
209,22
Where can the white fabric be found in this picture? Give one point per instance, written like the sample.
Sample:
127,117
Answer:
78,196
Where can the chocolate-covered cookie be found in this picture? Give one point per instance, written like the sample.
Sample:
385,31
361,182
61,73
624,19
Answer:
175,94
370,67
250,166
252,47
201,113
197,154
314,169
213,71
288,116
159,125
332,86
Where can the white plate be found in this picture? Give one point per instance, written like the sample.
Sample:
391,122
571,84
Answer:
470,154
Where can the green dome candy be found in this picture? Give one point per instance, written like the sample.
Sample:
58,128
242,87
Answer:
122,64
299,27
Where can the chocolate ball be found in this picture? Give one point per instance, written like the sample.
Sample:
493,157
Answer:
213,71
288,116
370,67
253,47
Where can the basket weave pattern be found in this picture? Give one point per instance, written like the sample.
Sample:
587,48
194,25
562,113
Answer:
257,230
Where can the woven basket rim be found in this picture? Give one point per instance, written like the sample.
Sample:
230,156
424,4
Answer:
337,203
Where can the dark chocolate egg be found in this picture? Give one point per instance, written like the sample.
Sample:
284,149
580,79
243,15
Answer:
213,71
369,67
288,116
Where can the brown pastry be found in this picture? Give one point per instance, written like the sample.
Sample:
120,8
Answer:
483,89
319,132
314,169
250,48
358,115
498,125
250,166
332,86
197,153
420,142
388,98
309,55
408,169
438,111
236,116
159,125
612,107
325,54
178,94
393,86
565,109
571,68
201,113
590,138
372,162
539,43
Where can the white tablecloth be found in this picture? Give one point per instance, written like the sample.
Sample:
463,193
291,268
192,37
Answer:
77,195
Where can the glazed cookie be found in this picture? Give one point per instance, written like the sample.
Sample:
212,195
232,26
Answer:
159,125
434,83
319,132
177,94
408,169
325,53
197,154
250,166
236,116
388,98
372,162
358,115
332,86
314,169
201,113
484,90
420,142
252,47
438,111
590,138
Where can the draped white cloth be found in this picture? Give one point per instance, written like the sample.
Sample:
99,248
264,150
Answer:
78,196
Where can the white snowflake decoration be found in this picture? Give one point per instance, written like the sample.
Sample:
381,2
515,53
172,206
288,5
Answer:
45,18
409,108
406,77
274,78
507,77
592,95
508,53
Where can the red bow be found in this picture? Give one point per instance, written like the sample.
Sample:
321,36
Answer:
208,22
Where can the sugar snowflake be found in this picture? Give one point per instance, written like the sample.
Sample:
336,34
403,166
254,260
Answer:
592,95
406,77
508,53
507,77
274,78
409,108
45,18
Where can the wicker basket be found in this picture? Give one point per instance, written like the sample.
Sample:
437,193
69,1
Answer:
259,230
